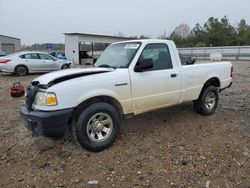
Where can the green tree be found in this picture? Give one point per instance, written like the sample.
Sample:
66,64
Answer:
243,33
220,32
200,44
198,35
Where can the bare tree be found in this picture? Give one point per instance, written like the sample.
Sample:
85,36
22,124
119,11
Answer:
182,31
120,34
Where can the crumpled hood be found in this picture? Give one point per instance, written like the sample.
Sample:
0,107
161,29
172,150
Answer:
47,80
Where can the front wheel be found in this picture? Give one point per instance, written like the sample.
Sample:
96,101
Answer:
207,102
97,127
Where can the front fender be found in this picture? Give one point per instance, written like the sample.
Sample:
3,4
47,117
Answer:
96,93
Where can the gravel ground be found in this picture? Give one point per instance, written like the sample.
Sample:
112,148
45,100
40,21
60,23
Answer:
174,147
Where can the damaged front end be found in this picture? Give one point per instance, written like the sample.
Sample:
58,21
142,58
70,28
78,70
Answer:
30,95
49,123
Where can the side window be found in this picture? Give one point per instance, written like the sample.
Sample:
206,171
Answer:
160,55
45,57
30,56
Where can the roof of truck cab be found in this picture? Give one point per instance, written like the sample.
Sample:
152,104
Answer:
145,41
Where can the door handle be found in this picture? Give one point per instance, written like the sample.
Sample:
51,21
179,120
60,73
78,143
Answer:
173,75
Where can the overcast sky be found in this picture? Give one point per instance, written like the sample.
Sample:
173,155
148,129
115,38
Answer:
42,21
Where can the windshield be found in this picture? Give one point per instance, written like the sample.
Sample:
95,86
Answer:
118,55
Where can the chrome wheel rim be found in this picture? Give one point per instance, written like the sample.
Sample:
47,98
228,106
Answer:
210,100
99,127
21,70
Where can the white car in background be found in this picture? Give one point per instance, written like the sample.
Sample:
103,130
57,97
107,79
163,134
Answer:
2,54
217,56
22,63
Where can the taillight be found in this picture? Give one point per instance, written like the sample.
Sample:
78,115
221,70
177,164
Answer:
232,71
4,61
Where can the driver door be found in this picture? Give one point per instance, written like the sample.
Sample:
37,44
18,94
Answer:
48,63
158,86
31,60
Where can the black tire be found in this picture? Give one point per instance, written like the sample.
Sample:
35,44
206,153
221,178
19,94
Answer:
197,105
83,136
65,66
21,70
207,102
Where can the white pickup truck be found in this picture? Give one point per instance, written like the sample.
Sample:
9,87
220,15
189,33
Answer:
129,78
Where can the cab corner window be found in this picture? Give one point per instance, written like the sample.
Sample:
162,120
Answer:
159,54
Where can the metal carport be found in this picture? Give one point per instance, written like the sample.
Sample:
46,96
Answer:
73,40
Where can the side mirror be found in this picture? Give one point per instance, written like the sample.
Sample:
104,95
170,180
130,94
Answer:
143,65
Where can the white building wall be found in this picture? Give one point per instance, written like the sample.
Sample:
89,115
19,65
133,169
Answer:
10,40
72,48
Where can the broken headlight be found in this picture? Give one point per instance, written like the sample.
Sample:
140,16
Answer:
45,99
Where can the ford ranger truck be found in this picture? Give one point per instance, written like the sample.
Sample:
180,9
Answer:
129,78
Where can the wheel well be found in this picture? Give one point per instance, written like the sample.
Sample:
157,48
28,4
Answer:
211,82
107,99
21,65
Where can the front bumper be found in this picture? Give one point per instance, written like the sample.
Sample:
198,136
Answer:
48,124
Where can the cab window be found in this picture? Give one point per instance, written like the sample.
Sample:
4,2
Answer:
159,54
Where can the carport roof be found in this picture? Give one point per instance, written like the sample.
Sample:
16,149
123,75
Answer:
10,37
98,36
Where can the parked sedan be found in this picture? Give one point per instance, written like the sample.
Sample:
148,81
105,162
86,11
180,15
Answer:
2,54
22,63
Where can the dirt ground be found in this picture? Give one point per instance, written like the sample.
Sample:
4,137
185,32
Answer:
174,147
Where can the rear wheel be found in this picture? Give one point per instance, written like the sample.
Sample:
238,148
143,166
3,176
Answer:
207,102
21,70
97,127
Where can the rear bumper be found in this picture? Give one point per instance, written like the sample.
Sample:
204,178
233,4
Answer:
4,68
48,124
